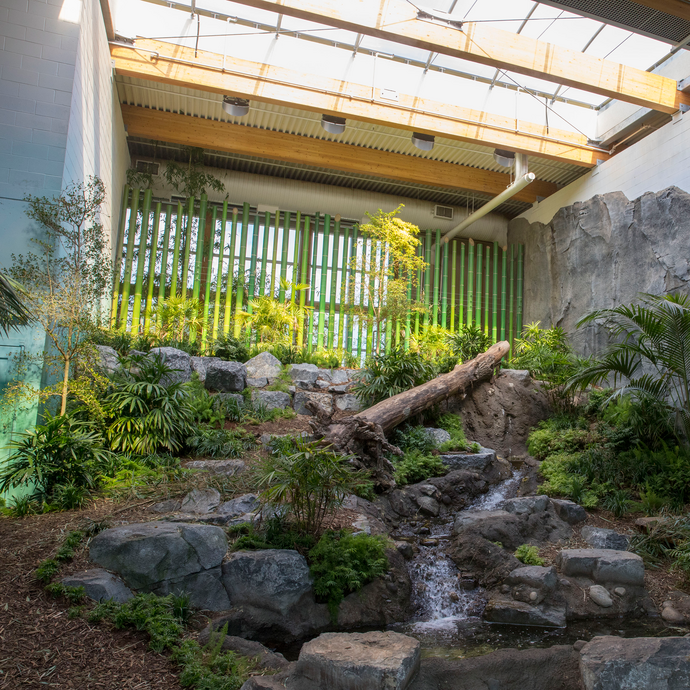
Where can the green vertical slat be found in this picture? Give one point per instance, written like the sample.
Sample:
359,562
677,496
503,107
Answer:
408,316
444,287
418,290
264,254
427,277
129,258
334,282
324,277
199,256
209,273
153,260
371,259
143,241
287,218
241,270
478,289
453,267
184,278
461,300
117,258
219,272
295,258
176,250
303,280
253,259
351,273
344,262
504,272
511,298
314,258
437,274
231,273
494,319
470,282
162,283
518,306
487,287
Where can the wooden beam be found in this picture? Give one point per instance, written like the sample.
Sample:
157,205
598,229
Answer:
173,64
396,20
676,8
292,148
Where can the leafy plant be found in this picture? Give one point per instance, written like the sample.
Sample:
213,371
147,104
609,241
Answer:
21,506
387,374
47,570
415,466
452,423
13,312
75,595
230,348
220,443
342,563
529,555
413,438
618,502
468,342
191,179
178,319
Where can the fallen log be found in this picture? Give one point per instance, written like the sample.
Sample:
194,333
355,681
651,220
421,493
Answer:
364,435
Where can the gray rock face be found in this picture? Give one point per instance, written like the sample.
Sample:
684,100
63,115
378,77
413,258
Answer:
200,501
569,511
272,399
600,596
428,506
199,365
647,663
322,400
511,612
469,461
240,505
100,585
527,505
170,505
347,402
273,579
227,467
645,239
532,583
257,383
438,436
359,661
226,377
146,554
263,366
304,372
176,359
603,566
599,538
107,359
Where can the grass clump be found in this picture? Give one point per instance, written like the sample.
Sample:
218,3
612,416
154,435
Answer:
220,443
529,555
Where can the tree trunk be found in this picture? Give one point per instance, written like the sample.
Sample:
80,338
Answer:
363,434
65,379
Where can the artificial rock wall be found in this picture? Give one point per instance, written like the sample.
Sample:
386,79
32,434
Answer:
601,253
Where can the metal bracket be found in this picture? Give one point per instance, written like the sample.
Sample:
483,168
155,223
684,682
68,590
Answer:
684,107
440,18
684,84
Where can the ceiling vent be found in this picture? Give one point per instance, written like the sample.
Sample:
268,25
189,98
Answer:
147,167
443,212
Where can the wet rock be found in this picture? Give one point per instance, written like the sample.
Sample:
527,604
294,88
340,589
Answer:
481,559
108,359
437,436
307,373
264,365
100,585
647,663
224,467
599,538
676,610
358,661
600,596
603,566
200,501
177,360
570,512
429,542
510,612
272,400
322,400
405,550
226,377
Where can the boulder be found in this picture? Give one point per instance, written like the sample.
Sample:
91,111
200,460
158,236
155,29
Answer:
100,585
638,663
569,511
108,359
348,403
603,566
204,588
264,365
237,398
149,553
527,505
170,505
307,373
273,579
322,400
437,436
428,506
488,563
532,583
248,648
176,359
676,609
600,596
247,503
200,501
226,377
469,461
359,661
272,399
511,612
340,376
496,526
228,467
257,383
199,365
600,538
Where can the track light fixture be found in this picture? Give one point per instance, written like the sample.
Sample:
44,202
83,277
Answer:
504,158
333,124
424,142
237,107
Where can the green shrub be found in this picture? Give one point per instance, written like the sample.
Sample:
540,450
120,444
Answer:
75,595
468,342
342,563
47,570
563,481
413,438
545,441
230,349
220,443
71,542
21,506
275,533
452,423
529,555
415,466
136,477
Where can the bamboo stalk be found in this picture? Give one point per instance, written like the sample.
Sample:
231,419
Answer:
253,259
408,316
334,282
437,274
478,289
227,318
295,257
470,282
461,301
287,218
264,254
153,260
219,272
518,316
444,287
370,263
487,286
141,258
209,273
418,288
453,267
342,318
176,250
184,278
351,276
162,283
427,278
117,257
314,259
494,320
303,280
241,269
199,257
504,267
323,285
129,258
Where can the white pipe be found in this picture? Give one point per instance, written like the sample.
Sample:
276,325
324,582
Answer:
514,188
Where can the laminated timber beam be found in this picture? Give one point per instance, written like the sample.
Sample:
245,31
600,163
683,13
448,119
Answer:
292,148
397,20
177,65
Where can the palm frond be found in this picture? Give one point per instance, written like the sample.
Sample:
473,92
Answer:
13,313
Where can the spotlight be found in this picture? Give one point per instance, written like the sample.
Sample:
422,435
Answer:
333,124
237,107
504,158
424,142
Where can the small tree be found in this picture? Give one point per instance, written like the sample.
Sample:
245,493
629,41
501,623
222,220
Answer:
66,279
387,268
